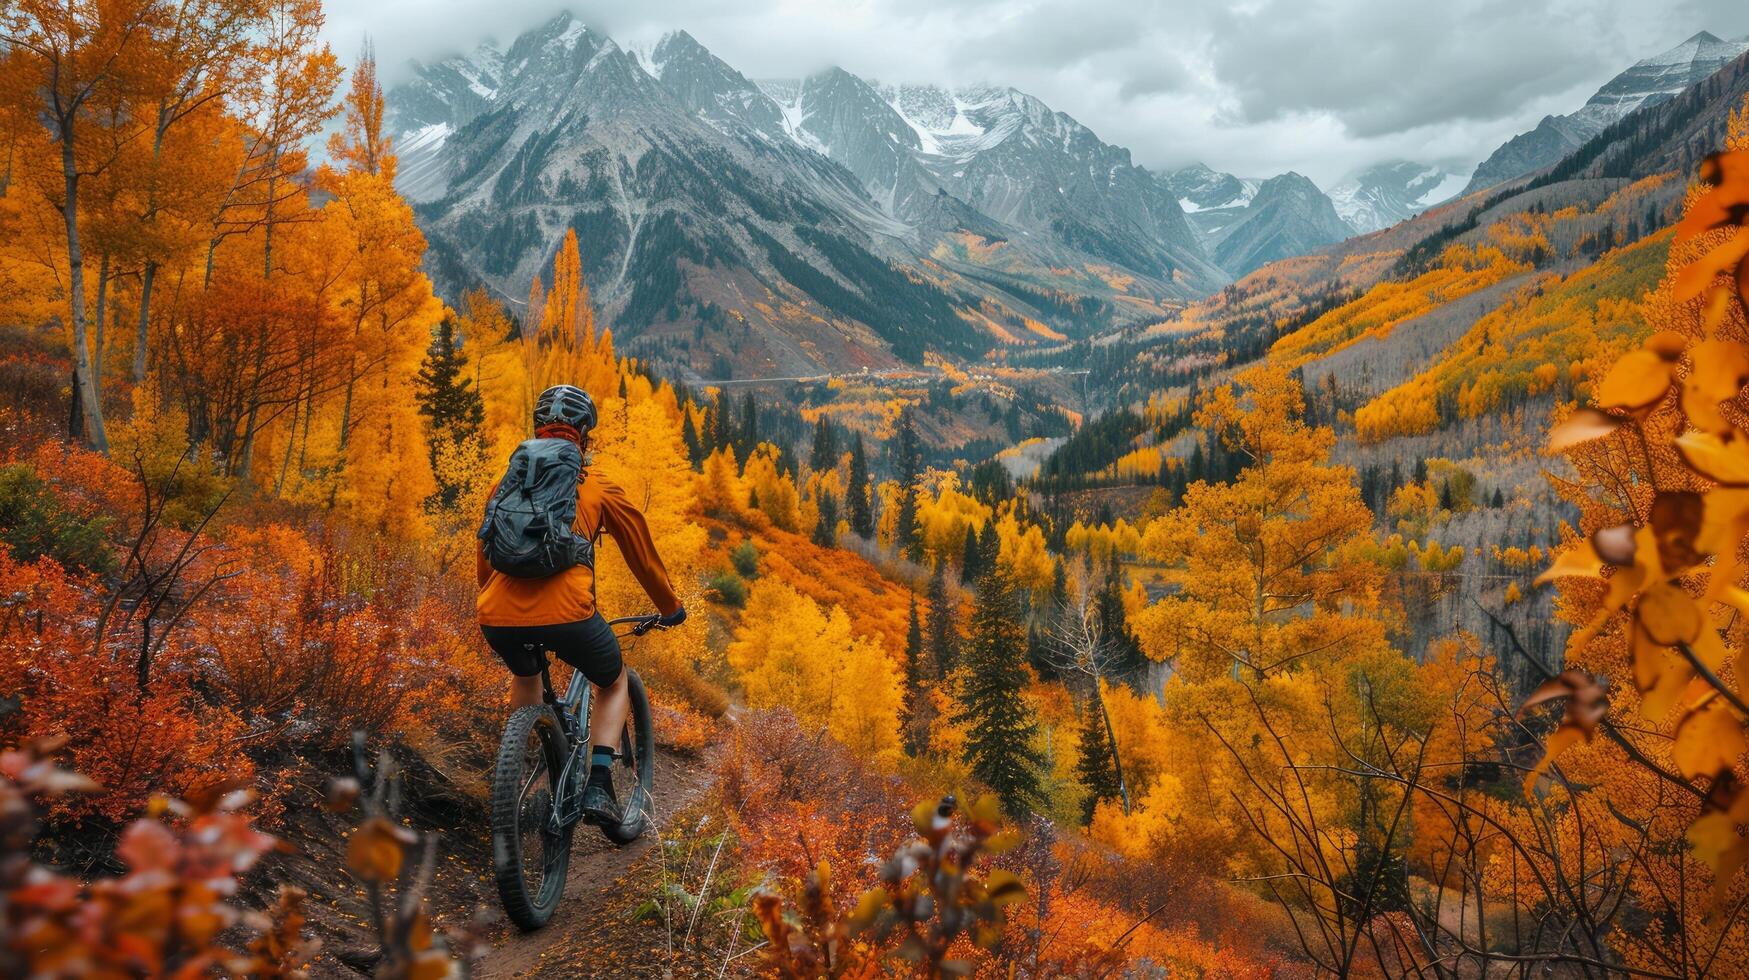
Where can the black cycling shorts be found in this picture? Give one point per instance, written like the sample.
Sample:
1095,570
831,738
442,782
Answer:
589,646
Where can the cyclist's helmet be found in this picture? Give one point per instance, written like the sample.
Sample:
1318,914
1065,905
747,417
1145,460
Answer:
566,404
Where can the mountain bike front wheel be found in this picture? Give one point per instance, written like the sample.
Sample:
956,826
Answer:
638,761
529,854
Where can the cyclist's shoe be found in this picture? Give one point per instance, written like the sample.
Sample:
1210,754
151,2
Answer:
599,805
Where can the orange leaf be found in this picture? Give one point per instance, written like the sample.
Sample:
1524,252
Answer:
1718,371
1669,615
1695,277
1582,426
1707,741
1564,738
1579,561
1720,459
376,849
1640,378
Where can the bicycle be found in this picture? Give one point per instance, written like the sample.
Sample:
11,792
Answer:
546,747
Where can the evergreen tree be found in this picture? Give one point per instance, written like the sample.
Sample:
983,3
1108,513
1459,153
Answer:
825,452
1038,654
826,529
944,634
453,409
689,433
861,506
1126,658
916,697
747,439
970,566
1094,768
999,730
712,435
908,463
989,547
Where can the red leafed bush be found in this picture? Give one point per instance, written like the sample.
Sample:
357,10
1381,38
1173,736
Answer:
165,740
165,915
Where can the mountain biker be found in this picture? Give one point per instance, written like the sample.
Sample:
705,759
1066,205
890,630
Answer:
522,618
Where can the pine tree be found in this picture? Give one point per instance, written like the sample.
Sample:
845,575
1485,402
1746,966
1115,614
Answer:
908,462
453,409
999,732
711,436
747,439
970,566
944,634
825,452
1094,768
826,529
695,450
989,547
1126,657
861,507
916,697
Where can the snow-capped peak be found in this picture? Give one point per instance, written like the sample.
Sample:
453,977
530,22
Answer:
1386,193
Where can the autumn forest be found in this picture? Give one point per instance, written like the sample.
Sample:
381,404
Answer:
1374,614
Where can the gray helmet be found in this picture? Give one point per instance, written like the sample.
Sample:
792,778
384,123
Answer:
568,404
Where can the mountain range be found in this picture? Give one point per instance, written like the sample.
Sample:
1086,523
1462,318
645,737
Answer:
782,226
735,226
1648,82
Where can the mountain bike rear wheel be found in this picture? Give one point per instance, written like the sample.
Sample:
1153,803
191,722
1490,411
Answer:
638,764
529,856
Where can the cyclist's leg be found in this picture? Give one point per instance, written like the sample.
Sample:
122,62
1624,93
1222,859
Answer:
608,718
591,647
523,650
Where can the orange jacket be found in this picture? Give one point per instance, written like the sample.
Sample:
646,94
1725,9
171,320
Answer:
569,596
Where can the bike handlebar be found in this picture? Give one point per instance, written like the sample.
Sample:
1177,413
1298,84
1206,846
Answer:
639,624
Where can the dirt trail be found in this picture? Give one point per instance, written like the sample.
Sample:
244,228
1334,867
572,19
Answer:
592,933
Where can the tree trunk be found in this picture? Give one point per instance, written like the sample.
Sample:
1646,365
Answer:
102,309
142,337
1123,786
88,385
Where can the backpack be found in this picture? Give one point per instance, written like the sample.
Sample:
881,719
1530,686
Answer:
527,531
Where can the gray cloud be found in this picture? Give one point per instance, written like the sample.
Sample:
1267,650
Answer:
1255,87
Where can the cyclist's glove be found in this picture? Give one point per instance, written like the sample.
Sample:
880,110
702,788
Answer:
673,619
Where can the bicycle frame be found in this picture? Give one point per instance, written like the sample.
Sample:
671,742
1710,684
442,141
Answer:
573,712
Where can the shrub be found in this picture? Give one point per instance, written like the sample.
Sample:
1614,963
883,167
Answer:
745,558
36,523
731,589
168,915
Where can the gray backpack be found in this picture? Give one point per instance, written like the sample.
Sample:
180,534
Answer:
527,531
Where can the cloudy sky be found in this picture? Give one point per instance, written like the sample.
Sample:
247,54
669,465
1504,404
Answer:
1253,87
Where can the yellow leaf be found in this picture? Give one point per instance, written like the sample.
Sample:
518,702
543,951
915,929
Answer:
1698,275
1712,835
867,907
1669,615
1667,344
1708,740
1564,738
1719,370
1579,561
1720,459
1003,888
1640,378
1665,692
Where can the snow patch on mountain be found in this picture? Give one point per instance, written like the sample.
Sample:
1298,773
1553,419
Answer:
1386,193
